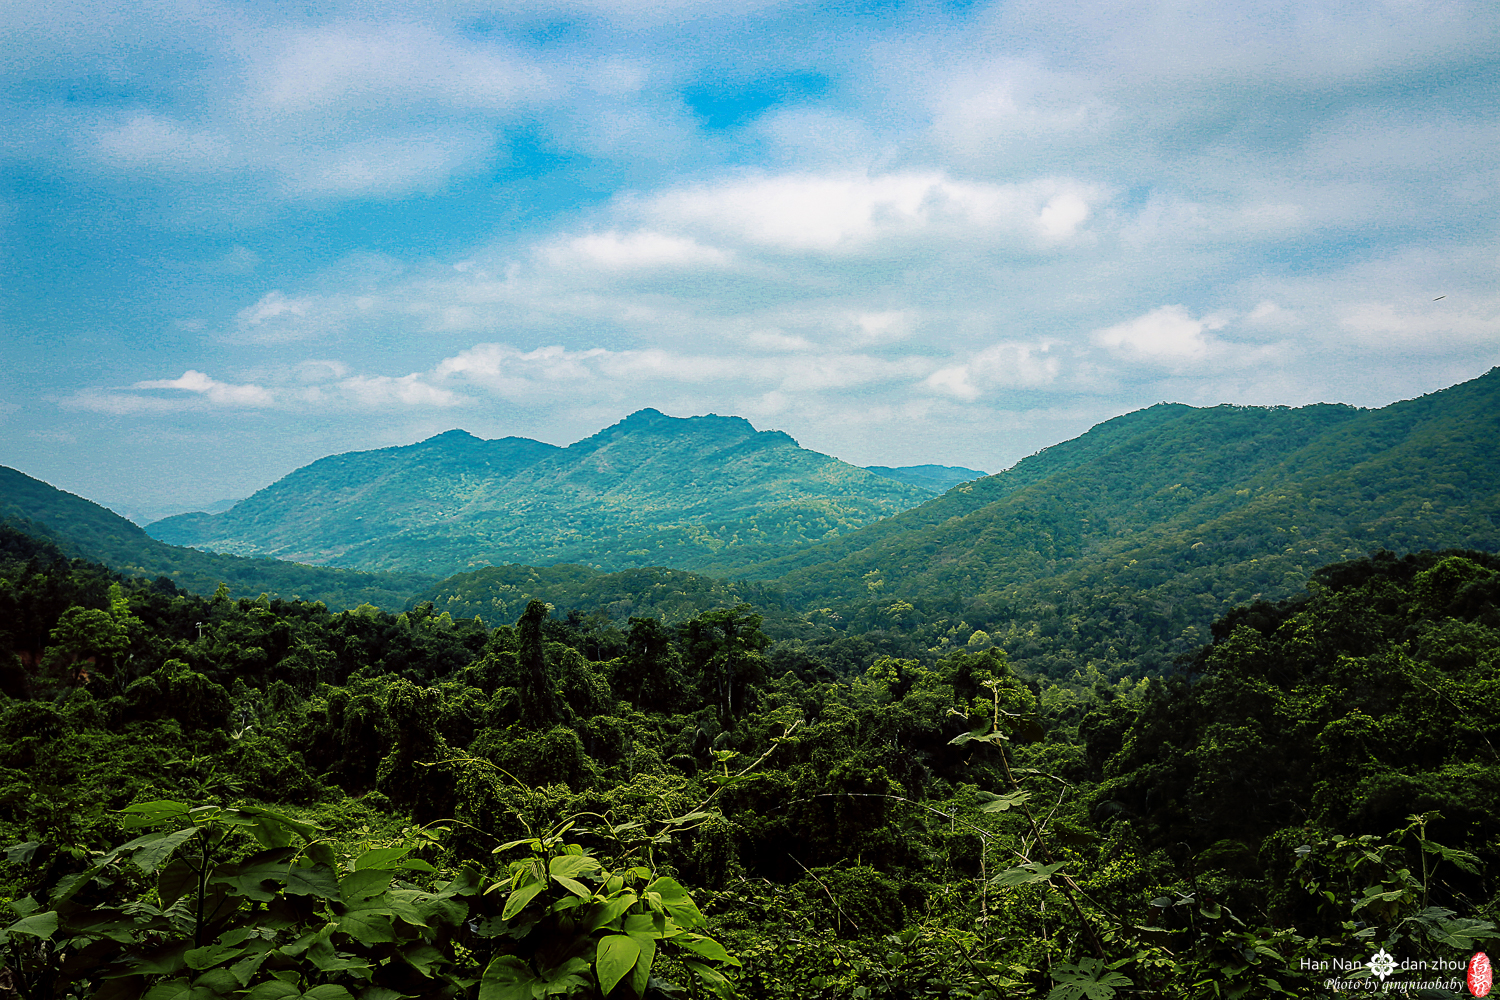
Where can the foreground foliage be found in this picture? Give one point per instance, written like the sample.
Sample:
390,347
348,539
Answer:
1317,783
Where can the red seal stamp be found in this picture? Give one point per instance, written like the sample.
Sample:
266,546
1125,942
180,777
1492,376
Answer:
1481,977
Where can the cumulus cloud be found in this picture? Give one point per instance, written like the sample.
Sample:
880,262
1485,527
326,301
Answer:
352,66
1014,218
999,366
840,213
633,251
216,392
380,391
1167,333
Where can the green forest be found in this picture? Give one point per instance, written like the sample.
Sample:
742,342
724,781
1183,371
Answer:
672,790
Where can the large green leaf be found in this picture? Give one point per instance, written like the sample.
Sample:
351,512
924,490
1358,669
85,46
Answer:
176,880
324,958
40,925
677,902
424,958
518,899
319,880
211,955
158,847
1027,874
605,912
614,957
508,978
641,974
572,866
1005,803
369,926
328,992
1090,979
705,947
273,829
711,978
574,886
365,884
442,910
249,877
381,857
220,981
171,989
153,814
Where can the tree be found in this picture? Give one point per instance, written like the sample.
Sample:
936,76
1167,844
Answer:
539,703
726,646
650,673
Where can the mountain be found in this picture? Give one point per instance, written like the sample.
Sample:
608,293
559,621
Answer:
1117,549
143,513
936,478
83,529
708,493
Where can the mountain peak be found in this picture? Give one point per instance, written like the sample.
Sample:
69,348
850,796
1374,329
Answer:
455,436
654,422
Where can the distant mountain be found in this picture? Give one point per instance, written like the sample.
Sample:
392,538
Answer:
709,493
936,478
83,529
143,513
1119,547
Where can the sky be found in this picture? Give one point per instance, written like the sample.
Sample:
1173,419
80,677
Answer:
237,237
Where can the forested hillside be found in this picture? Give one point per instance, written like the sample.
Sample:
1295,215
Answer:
327,805
709,494
1118,548
937,478
84,529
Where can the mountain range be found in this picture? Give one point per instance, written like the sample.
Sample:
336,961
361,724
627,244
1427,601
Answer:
1111,552
707,493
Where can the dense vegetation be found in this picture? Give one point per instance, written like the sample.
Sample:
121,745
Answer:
1117,550
936,478
319,796
84,529
700,493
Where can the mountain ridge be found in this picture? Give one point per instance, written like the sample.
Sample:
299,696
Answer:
1151,524
706,493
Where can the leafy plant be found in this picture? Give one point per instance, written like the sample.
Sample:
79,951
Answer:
572,928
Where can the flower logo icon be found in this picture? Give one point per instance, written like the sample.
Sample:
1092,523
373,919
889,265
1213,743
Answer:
1382,964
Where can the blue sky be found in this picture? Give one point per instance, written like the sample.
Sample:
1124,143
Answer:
235,237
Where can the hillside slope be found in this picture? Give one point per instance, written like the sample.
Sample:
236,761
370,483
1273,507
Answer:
709,494
83,529
1119,547
936,478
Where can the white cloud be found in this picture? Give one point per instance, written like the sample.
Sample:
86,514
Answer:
275,318
840,213
380,391
1270,315
1168,333
385,66
392,164
216,392
1003,365
775,340
1432,327
155,143
633,251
